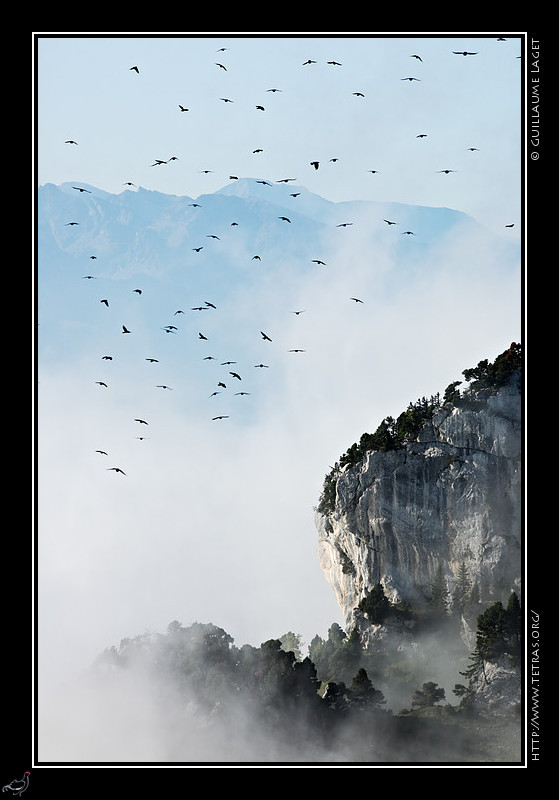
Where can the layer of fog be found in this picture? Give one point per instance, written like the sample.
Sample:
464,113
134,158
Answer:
213,521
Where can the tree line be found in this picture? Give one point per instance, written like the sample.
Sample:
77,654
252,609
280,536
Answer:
393,433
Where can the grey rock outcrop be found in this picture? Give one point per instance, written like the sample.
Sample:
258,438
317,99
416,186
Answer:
450,498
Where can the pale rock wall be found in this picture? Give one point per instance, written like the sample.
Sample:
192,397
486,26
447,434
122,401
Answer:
452,496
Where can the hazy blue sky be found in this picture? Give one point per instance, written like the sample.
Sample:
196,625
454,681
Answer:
122,557
123,120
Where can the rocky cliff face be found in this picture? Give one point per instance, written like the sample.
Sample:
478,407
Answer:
451,497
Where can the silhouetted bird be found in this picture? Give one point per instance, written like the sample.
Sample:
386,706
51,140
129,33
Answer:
318,261
70,141
446,171
125,329
359,94
107,358
413,55
79,189
309,61
410,79
103,453
101,383
72,223
236,375
105,302
116,469
221,66
135,69
141,421
388,222
182,108
408,233
463,53
344,224
357,300
262,365
223,416
285,219
138,291
201,336
265,336
260,108
315,164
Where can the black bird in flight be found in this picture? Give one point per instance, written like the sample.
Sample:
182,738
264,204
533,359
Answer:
236,375
274,90
357,300
70,141
135,69
101,383
260,108
410,79
182,108
299,312
211,305
297,351
107,358
510,226
315,164
285,219
318,261
89,277
220,66
262,365
80,189
153,360
463,53
344,224
116,469
359,94
413,55
161,386
225,99
125,329
388,222
241,393
106,302
227,363
138,291
197,249
141,421
223,416
421,136
446,171
128,183
72,223
265,336
222,385
408,233
309,61
201,336
103,453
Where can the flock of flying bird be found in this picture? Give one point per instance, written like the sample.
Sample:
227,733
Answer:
209,305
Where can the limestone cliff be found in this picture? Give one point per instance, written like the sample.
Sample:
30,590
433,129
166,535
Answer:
449,497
